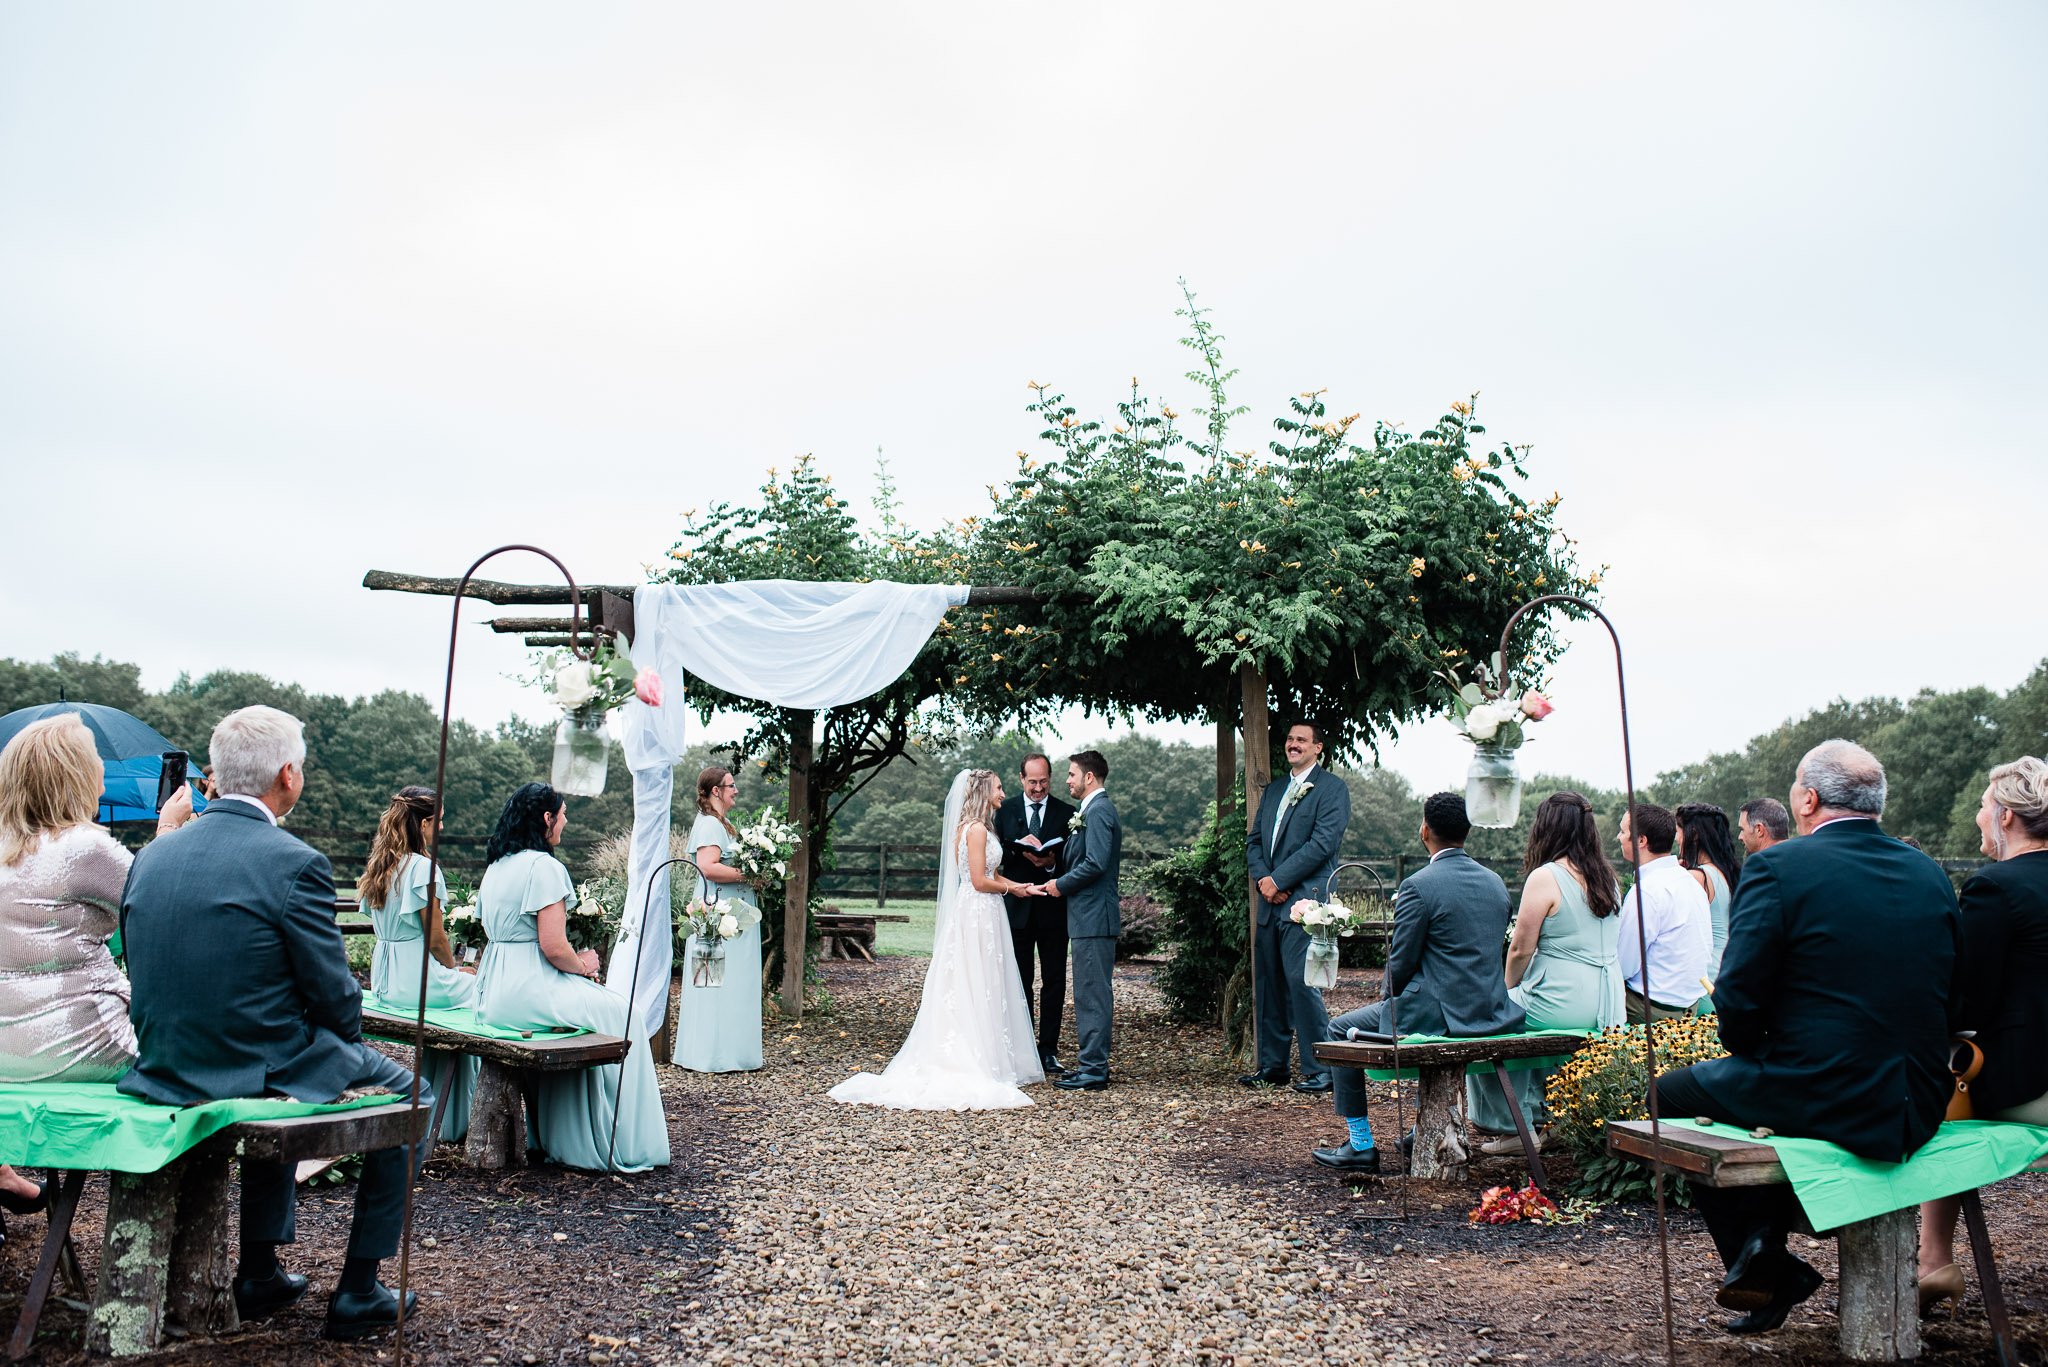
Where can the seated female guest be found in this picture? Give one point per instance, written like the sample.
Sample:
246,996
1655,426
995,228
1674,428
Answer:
412,936
1562,968
1706,847
531,978
2003,982
63,1002
718,1029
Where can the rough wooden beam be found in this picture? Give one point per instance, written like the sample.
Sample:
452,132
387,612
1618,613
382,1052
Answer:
489,590
1372,1054
545,1052
513,626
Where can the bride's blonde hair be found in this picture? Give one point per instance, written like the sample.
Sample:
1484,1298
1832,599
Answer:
978,803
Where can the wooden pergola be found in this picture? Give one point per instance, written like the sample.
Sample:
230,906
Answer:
608,612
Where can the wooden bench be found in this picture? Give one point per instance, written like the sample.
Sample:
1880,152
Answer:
1440,1140
844,935
1879,1257
507,1076
170,1239
345,907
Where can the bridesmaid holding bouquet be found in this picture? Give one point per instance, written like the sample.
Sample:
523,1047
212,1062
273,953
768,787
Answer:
718,1029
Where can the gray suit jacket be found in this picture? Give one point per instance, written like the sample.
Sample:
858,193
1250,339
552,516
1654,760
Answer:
241,983
1093,860
1445,963
1301,864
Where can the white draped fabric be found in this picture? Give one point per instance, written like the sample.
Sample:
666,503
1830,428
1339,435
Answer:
781,641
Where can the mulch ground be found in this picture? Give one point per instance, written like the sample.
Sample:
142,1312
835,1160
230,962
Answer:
1174,1218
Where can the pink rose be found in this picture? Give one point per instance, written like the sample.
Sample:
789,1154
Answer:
647,685
1535,706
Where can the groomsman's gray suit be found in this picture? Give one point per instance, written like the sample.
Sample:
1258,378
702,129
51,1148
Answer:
1091,861
1444,967
242,989
1300,862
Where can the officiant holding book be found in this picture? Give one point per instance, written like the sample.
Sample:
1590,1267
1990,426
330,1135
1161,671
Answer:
1032,826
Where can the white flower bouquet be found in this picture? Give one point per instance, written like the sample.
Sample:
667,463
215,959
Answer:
764,847
1325,922
711,924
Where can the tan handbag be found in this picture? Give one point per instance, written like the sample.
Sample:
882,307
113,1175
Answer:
1959,1105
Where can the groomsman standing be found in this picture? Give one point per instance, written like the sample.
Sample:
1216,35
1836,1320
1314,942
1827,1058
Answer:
1038,925
1293,853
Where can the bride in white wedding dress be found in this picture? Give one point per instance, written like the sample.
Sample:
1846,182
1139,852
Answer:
971,1046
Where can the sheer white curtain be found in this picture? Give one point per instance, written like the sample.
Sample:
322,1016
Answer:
781,641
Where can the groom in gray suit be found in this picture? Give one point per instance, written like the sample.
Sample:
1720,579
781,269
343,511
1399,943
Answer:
1090,862
1292,853
242,989
1444,972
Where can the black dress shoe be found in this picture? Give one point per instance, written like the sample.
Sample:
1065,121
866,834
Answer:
1800,1282
258,1298
1754,1278
1270,1077
25,1205
1050,1062
1083,1082
1347,1159
1313,1085
359,1314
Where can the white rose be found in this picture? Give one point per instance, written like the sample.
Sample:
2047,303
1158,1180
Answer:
728,926
781,869
1482,722
573,684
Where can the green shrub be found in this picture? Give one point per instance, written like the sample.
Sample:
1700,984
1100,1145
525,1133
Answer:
1607,1080
1205,890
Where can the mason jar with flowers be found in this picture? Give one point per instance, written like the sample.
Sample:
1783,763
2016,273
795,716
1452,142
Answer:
1494,715
711,924
587,691
1326,923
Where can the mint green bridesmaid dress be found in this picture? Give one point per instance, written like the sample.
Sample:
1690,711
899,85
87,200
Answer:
718,1029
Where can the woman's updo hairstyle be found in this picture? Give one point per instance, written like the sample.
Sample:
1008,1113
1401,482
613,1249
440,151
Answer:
709,780
523,825
2021,787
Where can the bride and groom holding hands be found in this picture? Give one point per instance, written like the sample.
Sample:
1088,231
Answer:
972,1046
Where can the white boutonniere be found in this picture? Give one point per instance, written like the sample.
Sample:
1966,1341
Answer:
1294,798
1077,823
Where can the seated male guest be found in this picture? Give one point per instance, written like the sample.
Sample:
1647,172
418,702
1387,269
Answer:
1292,852
241,988
1443,972
1676,916
1038,925
1836,1001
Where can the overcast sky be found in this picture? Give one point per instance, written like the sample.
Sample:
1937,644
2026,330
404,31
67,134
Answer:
312,289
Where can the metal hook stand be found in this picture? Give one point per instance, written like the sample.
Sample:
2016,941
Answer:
1642,933
633,990
1393,1029
434,876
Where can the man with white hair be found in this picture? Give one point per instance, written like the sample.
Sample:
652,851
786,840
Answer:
241,988
1836,1001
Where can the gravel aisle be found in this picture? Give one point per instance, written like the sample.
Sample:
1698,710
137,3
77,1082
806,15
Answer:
1069,1232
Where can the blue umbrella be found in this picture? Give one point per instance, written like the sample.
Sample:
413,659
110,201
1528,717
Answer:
130,749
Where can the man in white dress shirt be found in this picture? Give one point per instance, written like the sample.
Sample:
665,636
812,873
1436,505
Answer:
1676,914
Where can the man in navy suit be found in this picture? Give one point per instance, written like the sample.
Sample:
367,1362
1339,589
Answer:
1837,996
241,988
1292,851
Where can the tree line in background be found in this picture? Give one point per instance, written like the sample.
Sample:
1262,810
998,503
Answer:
1936,748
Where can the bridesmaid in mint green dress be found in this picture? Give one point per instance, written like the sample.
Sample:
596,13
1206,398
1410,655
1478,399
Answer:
1563,969
530,978
394,890
1706,846
718,1029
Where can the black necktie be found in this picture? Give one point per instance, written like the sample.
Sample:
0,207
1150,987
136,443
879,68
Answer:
1036,808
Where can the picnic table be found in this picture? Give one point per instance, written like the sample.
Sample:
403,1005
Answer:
851,935
168,1247
1878,1292
509,1067
1440,1065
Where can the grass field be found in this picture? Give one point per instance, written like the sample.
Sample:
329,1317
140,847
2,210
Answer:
894,937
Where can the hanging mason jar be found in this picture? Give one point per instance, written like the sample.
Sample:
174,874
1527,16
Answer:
1493,787
707,962
582,753
1320,969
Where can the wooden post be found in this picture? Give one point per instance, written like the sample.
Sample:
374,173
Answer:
881,875
1226,758
1880,1306
797,891
497,1118
1258,772
1440,1150
135,1260
202,1289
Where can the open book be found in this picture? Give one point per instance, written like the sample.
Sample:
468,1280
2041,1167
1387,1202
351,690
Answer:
1042,847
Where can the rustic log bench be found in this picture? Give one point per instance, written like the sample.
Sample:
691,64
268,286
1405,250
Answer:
1440,1141
508,1073
1877,1283
170,1240
845,935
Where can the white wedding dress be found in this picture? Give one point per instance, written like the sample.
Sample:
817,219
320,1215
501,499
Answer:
971,1046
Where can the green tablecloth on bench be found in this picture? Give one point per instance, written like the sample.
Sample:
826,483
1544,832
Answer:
461,1019
1837,1188
91,1127
1482,1068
